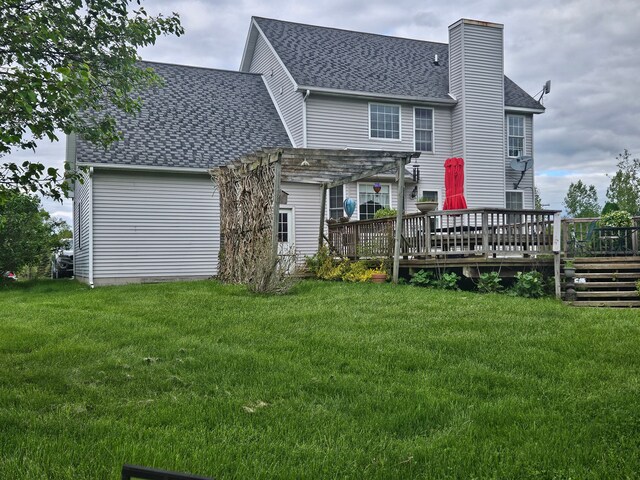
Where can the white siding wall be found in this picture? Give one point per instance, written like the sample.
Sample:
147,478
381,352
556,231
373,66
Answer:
81,231
154,226
512,176
305,200
477,55
283,90
341,122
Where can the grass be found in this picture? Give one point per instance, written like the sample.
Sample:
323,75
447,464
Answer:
333,381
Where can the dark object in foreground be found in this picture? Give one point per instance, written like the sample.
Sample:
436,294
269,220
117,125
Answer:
146,473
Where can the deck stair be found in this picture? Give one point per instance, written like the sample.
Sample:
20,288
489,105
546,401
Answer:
608,281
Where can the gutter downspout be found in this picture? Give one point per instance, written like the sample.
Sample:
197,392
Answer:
90,227
304,118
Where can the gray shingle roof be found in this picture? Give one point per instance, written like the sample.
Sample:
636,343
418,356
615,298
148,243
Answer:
324,57
201,118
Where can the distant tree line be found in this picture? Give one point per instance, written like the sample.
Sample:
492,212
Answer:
623,192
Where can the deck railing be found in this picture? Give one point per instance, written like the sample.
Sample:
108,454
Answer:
586,237
483,232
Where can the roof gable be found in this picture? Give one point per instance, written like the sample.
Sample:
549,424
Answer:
200,118
330,58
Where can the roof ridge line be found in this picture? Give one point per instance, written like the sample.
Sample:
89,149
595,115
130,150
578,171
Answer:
350,31
200,67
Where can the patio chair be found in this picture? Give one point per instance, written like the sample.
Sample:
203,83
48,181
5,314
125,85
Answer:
582,247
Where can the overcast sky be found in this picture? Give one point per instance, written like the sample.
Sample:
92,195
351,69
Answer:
589,50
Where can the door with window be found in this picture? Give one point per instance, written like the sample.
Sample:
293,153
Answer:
285,232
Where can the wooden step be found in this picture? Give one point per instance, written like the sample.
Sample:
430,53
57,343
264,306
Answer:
607,266
618,293
611,284
580,260
606,303
608,275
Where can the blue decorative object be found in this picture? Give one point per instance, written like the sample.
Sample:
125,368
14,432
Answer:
349,206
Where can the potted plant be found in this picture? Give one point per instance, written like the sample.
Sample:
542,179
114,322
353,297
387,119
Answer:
379,274
426,205
331,221
569,269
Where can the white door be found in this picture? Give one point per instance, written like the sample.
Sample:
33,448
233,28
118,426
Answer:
285,232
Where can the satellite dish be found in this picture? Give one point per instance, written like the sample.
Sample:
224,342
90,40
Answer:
522,163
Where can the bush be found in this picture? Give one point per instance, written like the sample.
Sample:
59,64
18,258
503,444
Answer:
272,276
357,273
449,281
489,282
529,285
385,212
422,279
319,260
620,219
638,287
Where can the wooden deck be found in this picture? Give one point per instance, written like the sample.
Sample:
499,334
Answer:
482,235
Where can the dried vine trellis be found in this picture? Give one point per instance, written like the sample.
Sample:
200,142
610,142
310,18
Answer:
246,211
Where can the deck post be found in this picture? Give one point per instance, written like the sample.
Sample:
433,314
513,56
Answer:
399,220
323,206
276,206
485,233
557,226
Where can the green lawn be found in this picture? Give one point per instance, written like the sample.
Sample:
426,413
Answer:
333,381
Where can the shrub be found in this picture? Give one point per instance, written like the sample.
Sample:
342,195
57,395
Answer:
489,282
638,287
620,219
357,273
423,278
316,262
335,271
272,276
449,281
385,212
529,285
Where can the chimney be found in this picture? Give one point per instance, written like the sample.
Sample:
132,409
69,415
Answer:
476,80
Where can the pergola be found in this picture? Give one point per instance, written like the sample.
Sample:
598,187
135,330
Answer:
250,192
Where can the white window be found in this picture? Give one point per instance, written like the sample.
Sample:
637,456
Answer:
336,201
369,202
515,140
423,129
384,121
429,196
514,200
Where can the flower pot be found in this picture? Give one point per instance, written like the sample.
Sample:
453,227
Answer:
378,277
569,272
426,207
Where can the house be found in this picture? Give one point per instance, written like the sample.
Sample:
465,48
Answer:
148,210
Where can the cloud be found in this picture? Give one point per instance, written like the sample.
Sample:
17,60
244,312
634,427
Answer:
586,47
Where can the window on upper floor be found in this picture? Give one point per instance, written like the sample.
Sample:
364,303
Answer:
370,201
336,201
515,135
384,121
423,129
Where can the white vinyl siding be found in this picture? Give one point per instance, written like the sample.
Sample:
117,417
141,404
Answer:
288,101
305,198
423,129
81,230
515,135
154,226
384,121
476,69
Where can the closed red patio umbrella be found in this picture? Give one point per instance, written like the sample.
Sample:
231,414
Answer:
454,184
